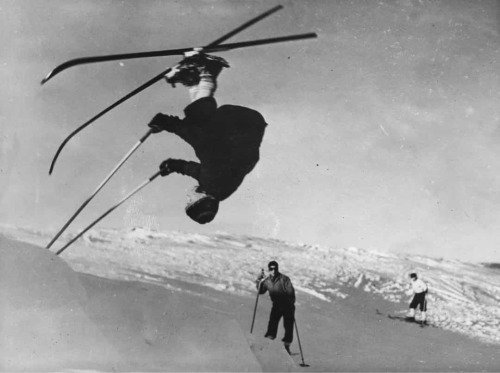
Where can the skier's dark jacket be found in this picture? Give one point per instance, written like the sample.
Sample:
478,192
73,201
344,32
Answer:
225,139
280,289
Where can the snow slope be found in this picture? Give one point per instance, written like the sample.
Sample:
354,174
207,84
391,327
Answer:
463,297
55,319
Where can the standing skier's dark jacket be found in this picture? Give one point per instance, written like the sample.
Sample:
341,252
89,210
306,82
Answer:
226,140
280,289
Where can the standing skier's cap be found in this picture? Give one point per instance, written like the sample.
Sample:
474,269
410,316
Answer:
273,265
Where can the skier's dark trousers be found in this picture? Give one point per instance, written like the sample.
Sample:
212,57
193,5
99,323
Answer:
282,295
226,139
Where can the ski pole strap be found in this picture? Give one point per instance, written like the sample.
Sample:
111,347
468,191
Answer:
86,202
110,210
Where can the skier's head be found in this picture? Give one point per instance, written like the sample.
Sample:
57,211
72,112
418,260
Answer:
273,268
203,209
201,206
413,276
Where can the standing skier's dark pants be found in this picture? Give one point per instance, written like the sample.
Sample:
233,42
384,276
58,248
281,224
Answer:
288,313
282,295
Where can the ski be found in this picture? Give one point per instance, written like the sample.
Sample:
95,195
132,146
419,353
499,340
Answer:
173,52
215,42
410,320
406,319
100,114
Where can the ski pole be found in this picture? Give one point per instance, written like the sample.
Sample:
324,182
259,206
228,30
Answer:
256,301
300,346
254,310
127,156
110,210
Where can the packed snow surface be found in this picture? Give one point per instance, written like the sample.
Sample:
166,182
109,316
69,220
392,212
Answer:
463,297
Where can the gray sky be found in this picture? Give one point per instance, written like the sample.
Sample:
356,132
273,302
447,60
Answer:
383,133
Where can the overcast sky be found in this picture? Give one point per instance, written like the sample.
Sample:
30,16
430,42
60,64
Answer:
383,132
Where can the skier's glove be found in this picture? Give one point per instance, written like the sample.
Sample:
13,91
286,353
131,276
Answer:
161,122
260,278
172,165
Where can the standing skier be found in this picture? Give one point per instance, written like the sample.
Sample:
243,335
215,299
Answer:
226,139
420,291
282,295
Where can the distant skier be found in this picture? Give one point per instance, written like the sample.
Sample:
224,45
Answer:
420,291
226,139
282,295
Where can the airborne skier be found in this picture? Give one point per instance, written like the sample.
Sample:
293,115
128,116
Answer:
226,139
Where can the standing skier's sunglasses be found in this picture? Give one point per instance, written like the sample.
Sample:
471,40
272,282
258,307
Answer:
272,269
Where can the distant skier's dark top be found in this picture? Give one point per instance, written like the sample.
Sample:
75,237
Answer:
225,139
280,289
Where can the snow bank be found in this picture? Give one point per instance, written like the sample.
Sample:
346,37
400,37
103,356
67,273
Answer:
44,325
54,319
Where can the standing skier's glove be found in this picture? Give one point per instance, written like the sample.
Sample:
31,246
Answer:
172,165
162,122
260,278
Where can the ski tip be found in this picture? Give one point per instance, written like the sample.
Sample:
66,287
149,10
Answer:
50,75
51,167
46,79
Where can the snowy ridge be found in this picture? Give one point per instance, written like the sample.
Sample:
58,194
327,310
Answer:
463,297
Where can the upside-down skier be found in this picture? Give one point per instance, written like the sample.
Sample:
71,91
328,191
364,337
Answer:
225,139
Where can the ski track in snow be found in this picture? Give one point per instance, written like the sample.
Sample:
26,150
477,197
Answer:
463,297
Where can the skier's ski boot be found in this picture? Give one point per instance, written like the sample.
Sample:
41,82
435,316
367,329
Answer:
287,348
410,319
189,71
